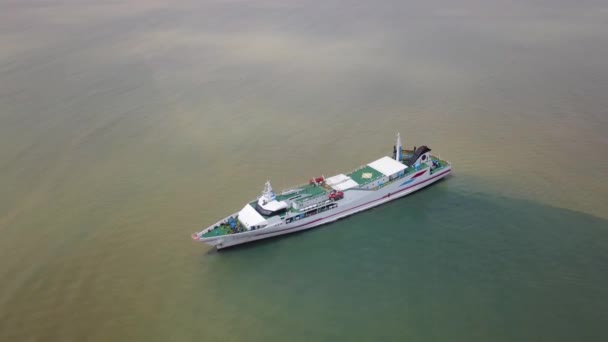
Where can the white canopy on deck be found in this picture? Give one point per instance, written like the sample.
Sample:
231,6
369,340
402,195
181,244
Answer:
387,166
341,182
250,217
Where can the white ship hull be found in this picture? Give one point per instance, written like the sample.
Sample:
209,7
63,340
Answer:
354,201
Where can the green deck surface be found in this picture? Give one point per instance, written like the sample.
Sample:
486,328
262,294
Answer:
442,164
221,230
313,190
284,197
307,191
358,175
224,229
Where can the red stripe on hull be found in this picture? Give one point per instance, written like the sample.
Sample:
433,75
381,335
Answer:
419,174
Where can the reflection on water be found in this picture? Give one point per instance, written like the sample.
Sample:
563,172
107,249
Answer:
125,126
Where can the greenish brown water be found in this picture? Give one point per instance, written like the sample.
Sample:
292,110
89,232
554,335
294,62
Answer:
128,125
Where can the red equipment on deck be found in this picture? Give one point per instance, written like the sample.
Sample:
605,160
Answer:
317,180
336,195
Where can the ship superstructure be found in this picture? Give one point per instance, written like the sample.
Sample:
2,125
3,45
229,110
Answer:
324,200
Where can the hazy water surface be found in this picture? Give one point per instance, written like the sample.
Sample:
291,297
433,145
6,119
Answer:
127,125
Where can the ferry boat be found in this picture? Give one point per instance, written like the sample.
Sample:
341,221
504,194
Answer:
323,200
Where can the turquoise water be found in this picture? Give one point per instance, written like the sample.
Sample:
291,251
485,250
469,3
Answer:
126,126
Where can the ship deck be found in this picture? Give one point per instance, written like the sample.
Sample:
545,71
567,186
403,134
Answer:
220,231
442,163
365,175
308,190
